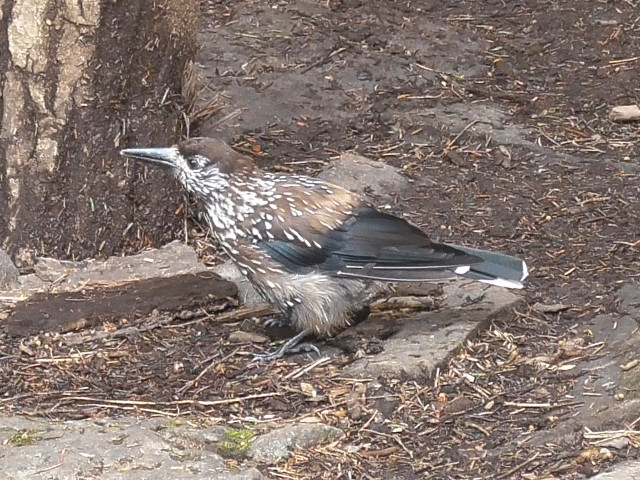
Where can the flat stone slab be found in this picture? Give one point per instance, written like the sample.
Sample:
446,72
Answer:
173,259
426,340
107,450
62,296
66,311
132,449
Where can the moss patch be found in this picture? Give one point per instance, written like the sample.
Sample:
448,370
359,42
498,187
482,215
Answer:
25,437
237,442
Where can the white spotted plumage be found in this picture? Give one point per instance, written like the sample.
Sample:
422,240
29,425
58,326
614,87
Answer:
283,232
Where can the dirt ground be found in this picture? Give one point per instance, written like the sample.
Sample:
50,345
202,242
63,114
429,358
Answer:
499,112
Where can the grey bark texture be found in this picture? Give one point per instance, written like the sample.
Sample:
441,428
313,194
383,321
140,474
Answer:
79,80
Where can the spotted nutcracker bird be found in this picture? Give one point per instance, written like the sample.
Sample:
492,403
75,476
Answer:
313,250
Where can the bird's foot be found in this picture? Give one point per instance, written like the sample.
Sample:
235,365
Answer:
293,345
274,322
305,347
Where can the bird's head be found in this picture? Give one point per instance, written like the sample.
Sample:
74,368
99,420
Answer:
202,165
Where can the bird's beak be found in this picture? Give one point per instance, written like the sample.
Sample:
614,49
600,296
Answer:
160,156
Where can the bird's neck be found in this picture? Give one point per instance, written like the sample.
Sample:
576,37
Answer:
234,202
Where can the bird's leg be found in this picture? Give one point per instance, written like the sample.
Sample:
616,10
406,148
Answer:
293,345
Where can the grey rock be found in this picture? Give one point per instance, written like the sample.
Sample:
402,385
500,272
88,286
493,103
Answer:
490,120
210,436
480,297
106,450
8,272
628,471
616,442
280,444
173,259
606,393
426,340
629,296
493,121
365,176
53,270
604,375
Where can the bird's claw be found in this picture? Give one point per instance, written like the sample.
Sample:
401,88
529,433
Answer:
305,347
283,352
293,345
274,322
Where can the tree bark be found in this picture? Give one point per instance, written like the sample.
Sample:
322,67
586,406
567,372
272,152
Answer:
81,79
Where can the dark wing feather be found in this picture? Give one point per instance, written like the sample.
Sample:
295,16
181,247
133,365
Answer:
365,244
295,256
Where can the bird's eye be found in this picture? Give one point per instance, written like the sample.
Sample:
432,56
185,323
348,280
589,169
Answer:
193,162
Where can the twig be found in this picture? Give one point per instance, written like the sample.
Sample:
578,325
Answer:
130,408
208,403
298,373
623,60
457,137
540,405
48,469
518,467
13,299
230,317
368,422
229,116
608,435
112,402
323,60
141,403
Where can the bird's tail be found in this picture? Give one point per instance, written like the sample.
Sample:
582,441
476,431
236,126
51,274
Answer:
497,269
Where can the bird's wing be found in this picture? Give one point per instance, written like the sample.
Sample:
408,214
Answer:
339,233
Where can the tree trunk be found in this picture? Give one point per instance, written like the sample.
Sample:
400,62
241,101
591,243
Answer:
81,79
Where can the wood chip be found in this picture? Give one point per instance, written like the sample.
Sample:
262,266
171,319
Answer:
550,308
625,113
